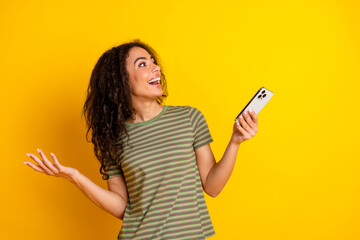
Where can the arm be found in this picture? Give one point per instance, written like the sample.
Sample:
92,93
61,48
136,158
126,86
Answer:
113,201
214,175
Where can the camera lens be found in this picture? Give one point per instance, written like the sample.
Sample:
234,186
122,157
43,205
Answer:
263,91
264,95
259,96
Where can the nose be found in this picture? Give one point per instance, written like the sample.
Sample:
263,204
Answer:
156,68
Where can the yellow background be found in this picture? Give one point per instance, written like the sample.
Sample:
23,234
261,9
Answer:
298,178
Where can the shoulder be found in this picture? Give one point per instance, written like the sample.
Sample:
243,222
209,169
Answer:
185,109
193,114
178,109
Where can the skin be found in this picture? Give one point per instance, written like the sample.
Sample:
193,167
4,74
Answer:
214,175
143,95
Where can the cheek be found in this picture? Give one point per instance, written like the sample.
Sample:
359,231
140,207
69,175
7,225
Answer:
141,76
140,79
138,83
135,79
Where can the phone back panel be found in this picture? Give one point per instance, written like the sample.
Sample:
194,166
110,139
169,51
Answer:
258,101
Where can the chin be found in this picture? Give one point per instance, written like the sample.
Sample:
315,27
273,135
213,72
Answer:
154,97
159,94
157,97
152,94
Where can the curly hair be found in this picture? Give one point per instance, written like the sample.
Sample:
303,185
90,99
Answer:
108,103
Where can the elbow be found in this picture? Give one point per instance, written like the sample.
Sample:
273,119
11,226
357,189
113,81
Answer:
212,194
120,216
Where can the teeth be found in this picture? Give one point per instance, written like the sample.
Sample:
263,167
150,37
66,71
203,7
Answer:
156,79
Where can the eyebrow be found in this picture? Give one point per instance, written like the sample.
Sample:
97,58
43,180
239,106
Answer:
141,58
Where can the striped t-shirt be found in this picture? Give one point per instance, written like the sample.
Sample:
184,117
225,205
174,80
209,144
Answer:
166,199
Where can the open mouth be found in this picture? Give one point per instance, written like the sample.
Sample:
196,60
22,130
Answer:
154,82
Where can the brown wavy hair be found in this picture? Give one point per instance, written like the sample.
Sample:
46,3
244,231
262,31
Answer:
108,103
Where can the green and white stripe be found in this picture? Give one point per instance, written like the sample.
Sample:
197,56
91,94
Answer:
166,199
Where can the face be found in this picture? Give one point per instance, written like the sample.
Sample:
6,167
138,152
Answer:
144,75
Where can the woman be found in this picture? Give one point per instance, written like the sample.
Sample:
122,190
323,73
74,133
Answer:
156,158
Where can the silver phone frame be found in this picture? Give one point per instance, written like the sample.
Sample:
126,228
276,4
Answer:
253,98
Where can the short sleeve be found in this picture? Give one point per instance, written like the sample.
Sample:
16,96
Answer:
114,170
200,128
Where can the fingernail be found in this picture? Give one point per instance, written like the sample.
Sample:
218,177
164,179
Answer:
241,117
52,154
38,150
245,112
28,154
250,110
25,163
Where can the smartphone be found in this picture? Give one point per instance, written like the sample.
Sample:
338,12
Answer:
258,101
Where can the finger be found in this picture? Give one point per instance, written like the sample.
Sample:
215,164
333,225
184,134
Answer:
40,163
243,123
47,163
251,123
248,119
56,162
35,167
250,131
242,131
254,116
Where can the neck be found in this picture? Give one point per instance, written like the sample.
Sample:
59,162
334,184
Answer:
145,111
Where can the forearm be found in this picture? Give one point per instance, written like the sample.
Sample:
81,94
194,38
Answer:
221,171
108,201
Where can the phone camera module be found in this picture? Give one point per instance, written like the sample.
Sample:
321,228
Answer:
262,95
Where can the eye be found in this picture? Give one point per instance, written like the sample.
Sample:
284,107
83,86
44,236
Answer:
141,64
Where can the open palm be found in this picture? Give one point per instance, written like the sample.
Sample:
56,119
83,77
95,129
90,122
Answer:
53,169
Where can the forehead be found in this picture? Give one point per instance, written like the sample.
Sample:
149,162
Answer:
136,52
